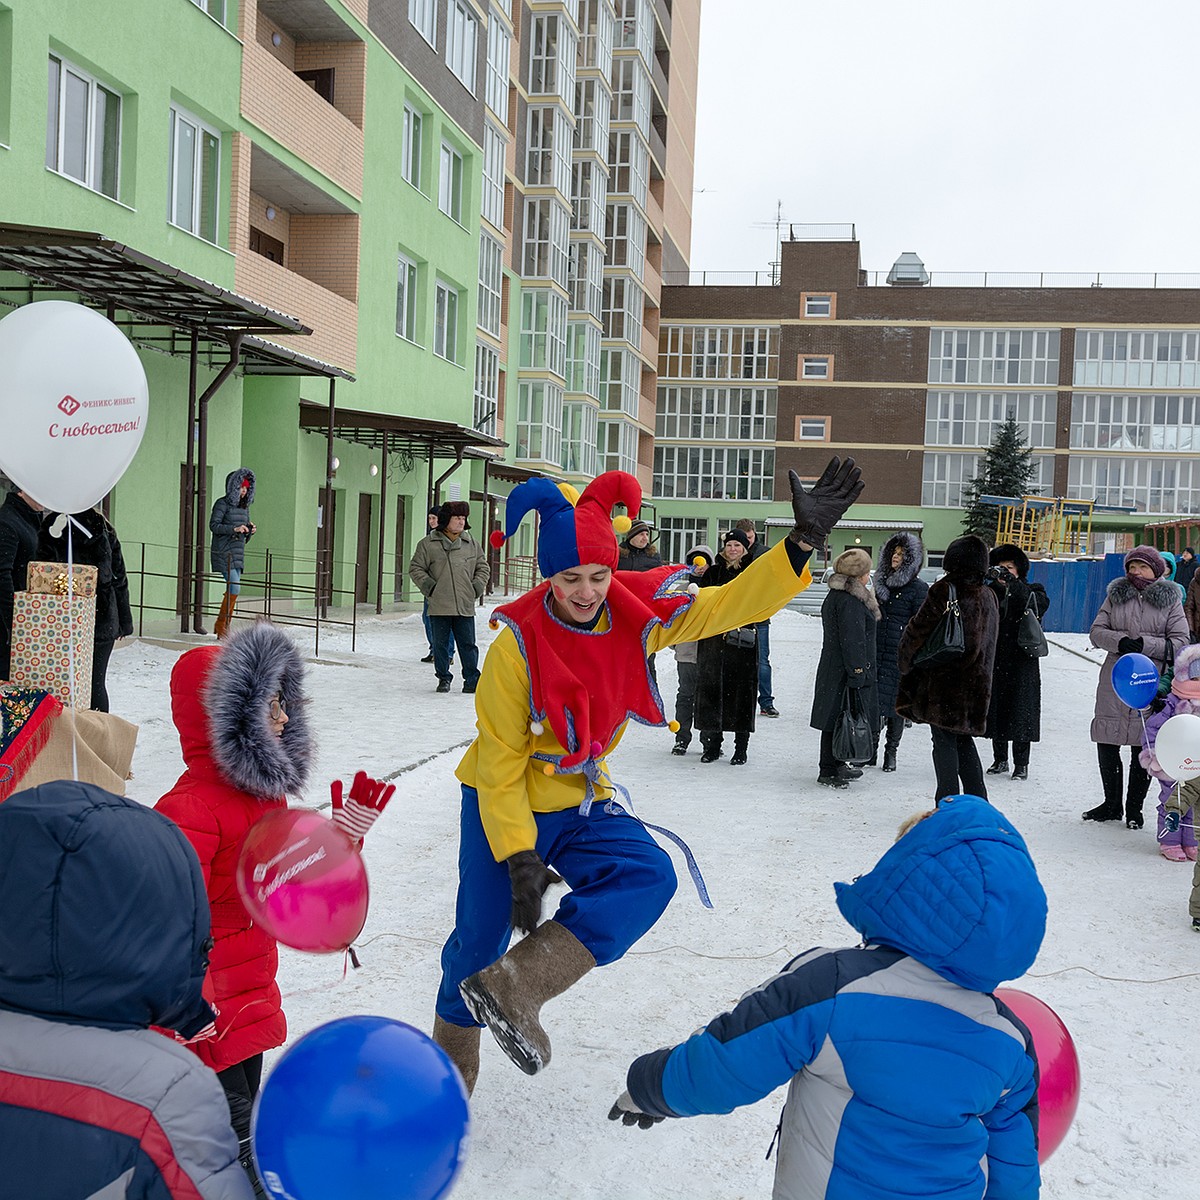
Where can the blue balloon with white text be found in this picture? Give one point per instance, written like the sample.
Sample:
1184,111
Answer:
1135,680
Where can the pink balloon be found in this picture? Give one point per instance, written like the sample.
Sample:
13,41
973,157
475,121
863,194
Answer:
1058,1066
303,880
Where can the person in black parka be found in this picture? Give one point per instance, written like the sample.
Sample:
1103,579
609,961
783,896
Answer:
849,615
231,529
1015,713
637,553
727,667
900,592
95,546
19,517
952,698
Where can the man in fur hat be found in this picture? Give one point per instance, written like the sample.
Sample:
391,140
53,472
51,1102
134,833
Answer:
451,571
559,684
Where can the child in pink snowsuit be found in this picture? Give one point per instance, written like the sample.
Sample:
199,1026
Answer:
1179,843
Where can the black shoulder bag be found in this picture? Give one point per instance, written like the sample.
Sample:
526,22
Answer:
853,738
1030,637
947,639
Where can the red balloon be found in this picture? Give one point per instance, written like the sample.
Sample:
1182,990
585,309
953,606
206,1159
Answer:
303,880
1058,1067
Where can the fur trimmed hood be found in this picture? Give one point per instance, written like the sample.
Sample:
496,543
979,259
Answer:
843,583
219,700
1187,662
886,580
233,487
1162,593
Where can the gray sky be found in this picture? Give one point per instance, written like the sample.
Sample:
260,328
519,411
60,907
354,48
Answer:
1000,135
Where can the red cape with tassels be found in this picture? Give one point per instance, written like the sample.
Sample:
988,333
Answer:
588,682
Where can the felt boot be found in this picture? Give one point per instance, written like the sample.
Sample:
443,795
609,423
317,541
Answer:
508,996
461,1044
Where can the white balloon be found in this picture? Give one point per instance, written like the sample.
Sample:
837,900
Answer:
1177,746
73,403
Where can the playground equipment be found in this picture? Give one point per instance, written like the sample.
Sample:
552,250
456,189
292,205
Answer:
1044,526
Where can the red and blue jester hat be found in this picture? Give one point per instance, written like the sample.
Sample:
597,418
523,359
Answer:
586,683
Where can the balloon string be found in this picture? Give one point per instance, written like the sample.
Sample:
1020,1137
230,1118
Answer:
71,631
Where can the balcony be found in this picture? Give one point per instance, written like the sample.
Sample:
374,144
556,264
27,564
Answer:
662,17
658,80
658,153
303,83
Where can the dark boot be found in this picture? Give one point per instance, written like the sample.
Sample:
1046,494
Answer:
999,767
461,1044
1103,812
895,731
508,996
889,759
741,744
712,747
1133,813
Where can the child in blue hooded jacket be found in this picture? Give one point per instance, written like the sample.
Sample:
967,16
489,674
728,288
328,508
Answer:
908,1077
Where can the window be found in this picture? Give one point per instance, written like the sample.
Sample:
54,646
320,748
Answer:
83,128
321,81
621,309
583,359
194,175
635,27
974,418
631,93
593,107
406,298
589,190
450,181
1022,356
678,535
579,439
944,475
491,202
487,389
1137,358
818,305
552,50
812,429
620,381
462,35
713,473
499,50
816,366
618,446
546,236
719,352
548,149
1143,422
410,154
586,274
625,238
543,331
629,161
491,278
596,27
445,322
717,414
1150,485
214,8
263,243
539,420
423,13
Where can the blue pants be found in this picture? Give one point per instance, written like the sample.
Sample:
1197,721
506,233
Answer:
451,631
233,580
621,881
766,697
429,628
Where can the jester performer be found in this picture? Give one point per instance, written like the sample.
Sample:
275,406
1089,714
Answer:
558,686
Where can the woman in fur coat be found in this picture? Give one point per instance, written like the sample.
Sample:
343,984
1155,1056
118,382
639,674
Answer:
900,593
1177,838
849,615
1015,714
952,698
727,667
1140,614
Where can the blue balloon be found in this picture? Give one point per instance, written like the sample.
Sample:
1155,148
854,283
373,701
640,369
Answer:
363,1108
1135,680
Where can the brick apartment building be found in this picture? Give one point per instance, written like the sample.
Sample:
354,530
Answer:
913,378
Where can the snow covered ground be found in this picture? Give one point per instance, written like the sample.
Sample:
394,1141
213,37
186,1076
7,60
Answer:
1119,963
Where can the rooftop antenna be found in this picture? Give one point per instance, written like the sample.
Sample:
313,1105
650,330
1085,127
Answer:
777,224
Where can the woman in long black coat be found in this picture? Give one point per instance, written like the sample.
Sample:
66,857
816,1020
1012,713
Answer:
727,667
849,616
96,546
1015,714
952,698
900,593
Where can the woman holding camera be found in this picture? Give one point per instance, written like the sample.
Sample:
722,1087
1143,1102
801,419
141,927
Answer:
727,667
1015,713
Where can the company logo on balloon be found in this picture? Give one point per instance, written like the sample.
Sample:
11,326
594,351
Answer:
69,405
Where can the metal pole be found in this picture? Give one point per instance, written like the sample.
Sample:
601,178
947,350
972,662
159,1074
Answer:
383,465
189,496
325,574
431,498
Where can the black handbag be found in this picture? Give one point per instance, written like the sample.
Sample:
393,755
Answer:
742,638
853,737
1030,637
947,639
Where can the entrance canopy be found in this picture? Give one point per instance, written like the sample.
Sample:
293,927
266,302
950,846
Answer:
416,435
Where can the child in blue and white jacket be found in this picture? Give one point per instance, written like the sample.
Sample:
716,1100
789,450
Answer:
908,1077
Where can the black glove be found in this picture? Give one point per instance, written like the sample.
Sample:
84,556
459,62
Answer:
1158,704
1128,645
530,877
628,1113
818,511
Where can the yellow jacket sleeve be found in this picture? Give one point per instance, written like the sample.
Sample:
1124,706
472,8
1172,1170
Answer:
761,590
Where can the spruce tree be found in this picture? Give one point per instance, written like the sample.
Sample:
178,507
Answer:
1008,470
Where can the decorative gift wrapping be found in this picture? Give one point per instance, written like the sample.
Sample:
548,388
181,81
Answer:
50,578
41,633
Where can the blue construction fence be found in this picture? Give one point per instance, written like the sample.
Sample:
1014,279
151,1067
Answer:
1076,590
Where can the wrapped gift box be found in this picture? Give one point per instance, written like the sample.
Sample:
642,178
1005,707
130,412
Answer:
41,633
50,578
